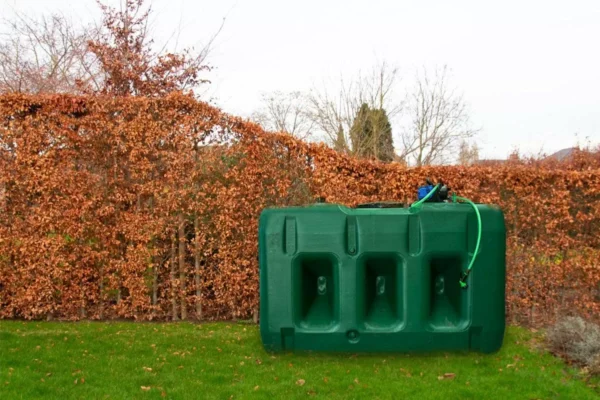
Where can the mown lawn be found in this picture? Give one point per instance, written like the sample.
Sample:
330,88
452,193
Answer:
226,360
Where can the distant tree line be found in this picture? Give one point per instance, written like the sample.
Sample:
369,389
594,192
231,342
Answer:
354,116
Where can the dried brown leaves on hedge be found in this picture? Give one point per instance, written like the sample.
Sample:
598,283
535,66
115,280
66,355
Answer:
148,209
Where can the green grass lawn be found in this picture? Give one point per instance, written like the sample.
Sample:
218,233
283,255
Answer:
226,360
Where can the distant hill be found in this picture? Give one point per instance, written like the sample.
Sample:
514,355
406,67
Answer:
562,155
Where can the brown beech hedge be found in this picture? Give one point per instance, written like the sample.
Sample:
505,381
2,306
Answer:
148,209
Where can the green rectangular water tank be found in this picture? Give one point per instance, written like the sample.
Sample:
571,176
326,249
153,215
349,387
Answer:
334,278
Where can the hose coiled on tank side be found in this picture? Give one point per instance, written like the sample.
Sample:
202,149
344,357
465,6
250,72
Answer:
465,274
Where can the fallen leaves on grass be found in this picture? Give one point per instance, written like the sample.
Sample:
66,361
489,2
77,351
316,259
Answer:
447,375
300,382
145,388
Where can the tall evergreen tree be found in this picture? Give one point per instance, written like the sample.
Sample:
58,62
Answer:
371,134
383,144
340,141
361,133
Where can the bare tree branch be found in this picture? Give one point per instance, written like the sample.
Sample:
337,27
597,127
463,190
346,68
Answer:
51,54
468,154
47,54
285,112
439,120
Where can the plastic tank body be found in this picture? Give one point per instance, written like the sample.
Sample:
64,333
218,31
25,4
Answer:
334,278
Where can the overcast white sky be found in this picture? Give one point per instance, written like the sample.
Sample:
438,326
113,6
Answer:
529,70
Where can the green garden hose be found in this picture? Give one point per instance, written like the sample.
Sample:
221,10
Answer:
465,275
455,198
